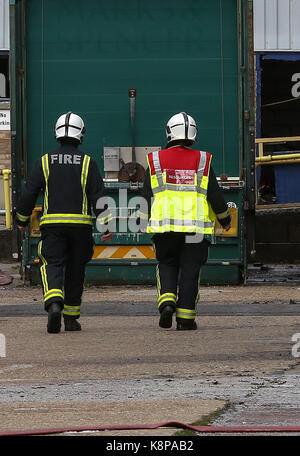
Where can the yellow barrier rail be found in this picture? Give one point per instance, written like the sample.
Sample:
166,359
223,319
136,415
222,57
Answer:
280,159
6,178
276,159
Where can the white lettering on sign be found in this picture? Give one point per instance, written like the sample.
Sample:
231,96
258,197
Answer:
296,87
4,119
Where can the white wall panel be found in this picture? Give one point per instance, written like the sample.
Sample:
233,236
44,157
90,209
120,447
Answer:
271,24
259,24
284,30
276,25
4,24
295,24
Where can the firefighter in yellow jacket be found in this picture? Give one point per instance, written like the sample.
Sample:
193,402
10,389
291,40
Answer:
184,199
72,184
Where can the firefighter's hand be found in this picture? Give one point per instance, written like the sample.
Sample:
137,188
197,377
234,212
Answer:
106,237
22,228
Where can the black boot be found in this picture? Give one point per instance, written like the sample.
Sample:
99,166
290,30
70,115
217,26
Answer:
166,315
186,326
71,324
54,318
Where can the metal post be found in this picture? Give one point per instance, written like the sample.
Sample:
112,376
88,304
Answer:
6,176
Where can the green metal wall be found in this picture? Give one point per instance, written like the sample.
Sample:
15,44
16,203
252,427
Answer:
83,56
180,56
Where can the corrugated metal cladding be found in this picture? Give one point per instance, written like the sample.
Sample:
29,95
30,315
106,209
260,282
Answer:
276,25
4,24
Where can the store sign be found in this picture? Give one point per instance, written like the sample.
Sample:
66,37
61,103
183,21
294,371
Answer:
4,119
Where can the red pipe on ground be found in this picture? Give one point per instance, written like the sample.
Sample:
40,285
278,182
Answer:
174,424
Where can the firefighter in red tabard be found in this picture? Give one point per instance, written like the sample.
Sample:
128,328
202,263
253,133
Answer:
184,199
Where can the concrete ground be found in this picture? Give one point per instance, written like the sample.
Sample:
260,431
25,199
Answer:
122,369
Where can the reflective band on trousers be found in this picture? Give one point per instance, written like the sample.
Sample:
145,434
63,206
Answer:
43,268
66,218
22,218
53,293
71,310
188,314
166,297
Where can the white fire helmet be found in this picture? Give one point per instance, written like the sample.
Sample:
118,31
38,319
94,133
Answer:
181,126
69,125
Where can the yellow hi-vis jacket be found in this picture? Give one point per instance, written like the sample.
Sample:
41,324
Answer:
180,197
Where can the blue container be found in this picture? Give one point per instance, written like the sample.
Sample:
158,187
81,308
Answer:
287,181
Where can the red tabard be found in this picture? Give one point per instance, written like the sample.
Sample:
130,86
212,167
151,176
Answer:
179,158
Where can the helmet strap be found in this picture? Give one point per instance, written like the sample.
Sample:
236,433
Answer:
186,124
67,121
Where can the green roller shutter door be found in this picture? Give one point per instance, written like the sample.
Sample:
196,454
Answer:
179,55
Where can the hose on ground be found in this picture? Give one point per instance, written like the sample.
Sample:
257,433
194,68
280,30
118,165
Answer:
172,424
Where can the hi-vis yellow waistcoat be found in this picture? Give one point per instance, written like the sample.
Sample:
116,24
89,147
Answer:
180,198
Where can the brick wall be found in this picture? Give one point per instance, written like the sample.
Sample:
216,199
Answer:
5,156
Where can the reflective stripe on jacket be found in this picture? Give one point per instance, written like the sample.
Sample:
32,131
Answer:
71,185
83,217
